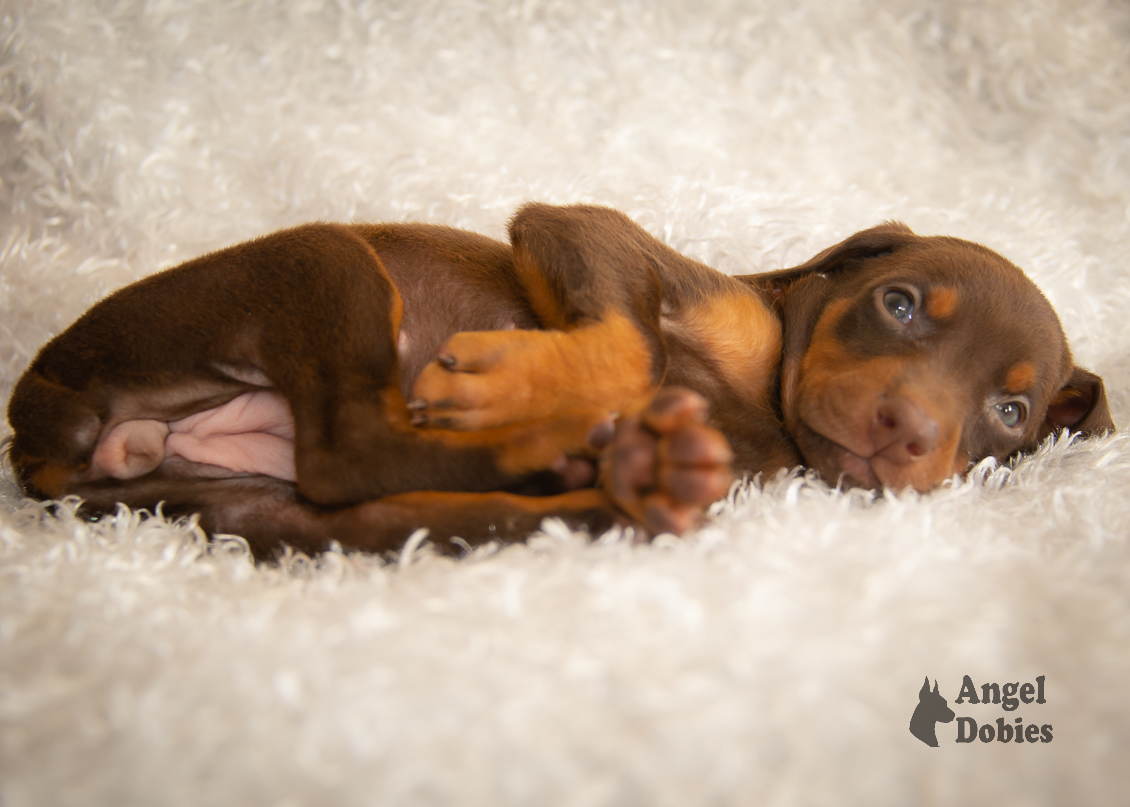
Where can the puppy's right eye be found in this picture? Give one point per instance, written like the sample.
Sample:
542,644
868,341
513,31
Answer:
899,305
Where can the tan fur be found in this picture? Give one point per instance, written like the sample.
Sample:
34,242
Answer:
507,377
742,336
942,302
1020,378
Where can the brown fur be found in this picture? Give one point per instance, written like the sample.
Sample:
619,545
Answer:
434,374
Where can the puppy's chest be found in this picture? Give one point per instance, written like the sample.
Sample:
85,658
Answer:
727,344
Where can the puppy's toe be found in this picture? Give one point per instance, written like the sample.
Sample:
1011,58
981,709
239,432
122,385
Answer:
666,465
444,399
661,515
696,445
674,407
699,486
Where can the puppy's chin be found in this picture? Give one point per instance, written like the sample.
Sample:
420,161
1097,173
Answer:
835,463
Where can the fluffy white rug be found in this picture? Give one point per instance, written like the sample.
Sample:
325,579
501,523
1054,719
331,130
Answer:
775,657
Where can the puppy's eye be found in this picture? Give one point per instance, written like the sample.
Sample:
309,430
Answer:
899,305
1011,413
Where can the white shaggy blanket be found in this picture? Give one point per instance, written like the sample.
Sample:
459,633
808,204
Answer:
773,658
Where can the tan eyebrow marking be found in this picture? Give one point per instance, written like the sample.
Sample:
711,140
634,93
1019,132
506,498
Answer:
941,302
1019,378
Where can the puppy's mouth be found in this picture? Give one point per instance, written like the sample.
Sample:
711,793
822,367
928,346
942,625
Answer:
835,462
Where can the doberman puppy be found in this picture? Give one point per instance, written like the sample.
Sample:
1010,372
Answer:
356,382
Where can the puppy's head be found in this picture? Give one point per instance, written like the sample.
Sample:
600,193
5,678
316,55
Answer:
906,358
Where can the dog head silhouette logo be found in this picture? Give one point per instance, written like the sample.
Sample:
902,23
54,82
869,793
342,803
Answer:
932,708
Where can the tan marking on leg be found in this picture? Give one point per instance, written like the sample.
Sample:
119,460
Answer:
533,445
542,299
52,480
508,377
396,313
589,498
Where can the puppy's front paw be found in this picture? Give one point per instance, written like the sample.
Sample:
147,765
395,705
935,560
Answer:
665,465
480,380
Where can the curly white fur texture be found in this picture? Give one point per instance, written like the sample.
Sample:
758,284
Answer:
773,658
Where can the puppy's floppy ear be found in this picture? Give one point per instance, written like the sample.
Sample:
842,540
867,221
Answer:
880,240
1080,406
799,294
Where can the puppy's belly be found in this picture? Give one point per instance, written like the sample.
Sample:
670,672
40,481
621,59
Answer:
253,433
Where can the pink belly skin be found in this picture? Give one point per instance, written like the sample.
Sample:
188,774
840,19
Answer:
253,433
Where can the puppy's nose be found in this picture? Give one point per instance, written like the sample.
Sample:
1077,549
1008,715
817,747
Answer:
902,431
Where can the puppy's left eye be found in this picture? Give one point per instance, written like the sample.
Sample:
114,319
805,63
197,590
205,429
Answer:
899,305
1011,413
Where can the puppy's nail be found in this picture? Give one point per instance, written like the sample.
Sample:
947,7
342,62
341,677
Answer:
417,403
419,420
601,434
446,360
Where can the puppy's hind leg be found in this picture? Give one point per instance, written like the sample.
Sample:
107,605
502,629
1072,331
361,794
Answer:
329,344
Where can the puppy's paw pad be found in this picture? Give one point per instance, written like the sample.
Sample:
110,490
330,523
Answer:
665,466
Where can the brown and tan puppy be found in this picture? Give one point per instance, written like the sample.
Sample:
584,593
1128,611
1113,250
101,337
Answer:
353,383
